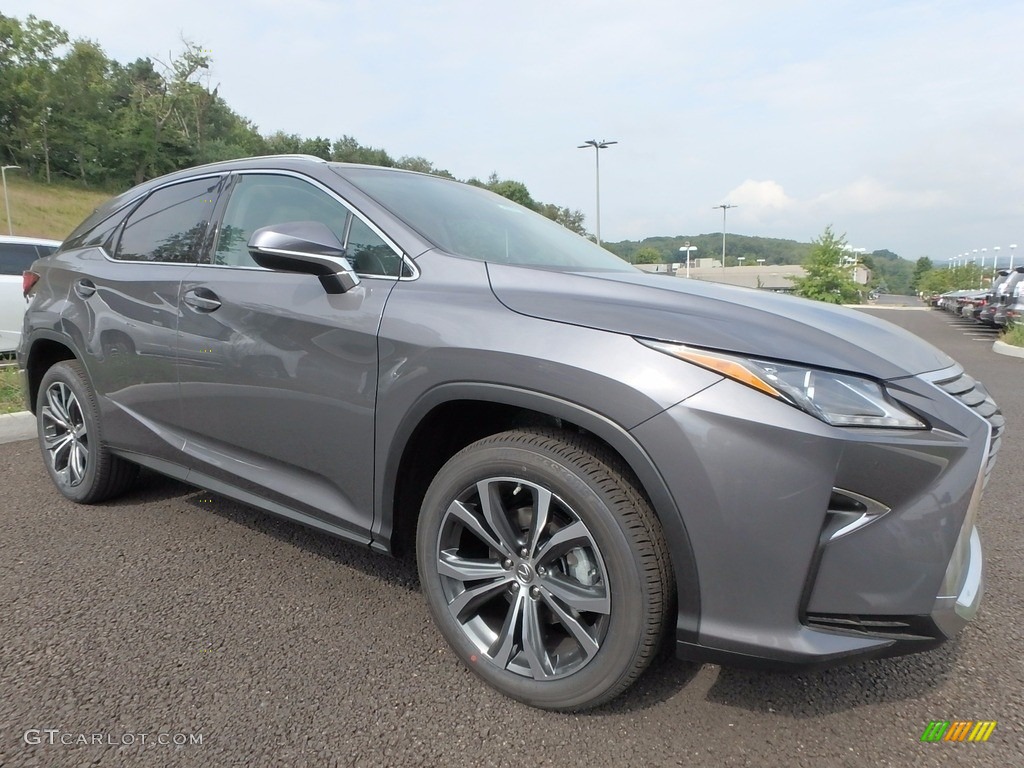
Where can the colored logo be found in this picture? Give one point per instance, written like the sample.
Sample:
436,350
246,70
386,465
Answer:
958,730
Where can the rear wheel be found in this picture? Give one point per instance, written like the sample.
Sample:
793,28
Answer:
544,567
68,421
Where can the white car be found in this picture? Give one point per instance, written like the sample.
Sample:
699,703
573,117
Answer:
16,255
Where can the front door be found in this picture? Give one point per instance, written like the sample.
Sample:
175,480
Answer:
279,378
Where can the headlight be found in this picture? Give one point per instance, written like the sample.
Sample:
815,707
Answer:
835,398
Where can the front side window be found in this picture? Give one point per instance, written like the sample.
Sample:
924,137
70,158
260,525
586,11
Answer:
262,200
170,225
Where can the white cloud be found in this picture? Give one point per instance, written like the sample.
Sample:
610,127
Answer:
760,195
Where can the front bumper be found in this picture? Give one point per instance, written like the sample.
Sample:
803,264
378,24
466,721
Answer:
756,482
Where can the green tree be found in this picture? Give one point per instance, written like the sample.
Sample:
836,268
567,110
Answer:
647,255
942,279
923,265
828,278
571,219
28,55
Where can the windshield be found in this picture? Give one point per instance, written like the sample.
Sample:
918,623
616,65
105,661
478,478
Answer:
468,221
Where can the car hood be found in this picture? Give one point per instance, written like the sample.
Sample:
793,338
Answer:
714,316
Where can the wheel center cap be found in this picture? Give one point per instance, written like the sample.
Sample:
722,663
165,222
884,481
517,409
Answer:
524,573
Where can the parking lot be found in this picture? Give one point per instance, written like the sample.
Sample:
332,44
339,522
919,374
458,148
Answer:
245,640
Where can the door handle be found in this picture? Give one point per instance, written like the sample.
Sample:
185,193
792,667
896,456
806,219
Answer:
202,299
85,288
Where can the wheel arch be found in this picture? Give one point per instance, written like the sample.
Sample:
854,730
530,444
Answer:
470,411
45,350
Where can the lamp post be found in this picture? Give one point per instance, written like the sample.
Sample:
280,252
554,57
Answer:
598,146
725,207
995,261
7,203
687,248
1012,246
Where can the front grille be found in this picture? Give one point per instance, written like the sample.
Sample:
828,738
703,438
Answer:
974,395
893,627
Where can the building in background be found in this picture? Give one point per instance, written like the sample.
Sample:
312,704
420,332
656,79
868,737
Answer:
775,277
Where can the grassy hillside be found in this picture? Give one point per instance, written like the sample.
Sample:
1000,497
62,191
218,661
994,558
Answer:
47,210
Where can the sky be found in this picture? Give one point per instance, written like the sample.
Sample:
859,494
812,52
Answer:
897,123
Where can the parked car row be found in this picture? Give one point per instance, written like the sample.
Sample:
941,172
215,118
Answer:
996,306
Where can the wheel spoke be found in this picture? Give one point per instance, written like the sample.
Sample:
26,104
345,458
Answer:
573,626
56,443
78,463
579,597
503,649
573,535
471,599
54,409
533,642
468,569
494,513
542,506
470,521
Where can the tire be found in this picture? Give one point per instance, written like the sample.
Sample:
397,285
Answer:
545,568
71,439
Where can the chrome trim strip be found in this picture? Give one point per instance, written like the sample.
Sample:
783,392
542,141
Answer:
873,510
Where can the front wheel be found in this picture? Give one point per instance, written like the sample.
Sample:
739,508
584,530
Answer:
545,568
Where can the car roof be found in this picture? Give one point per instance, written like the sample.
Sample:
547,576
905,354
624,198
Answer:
262,162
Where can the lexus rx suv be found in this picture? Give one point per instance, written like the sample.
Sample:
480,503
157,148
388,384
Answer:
584,460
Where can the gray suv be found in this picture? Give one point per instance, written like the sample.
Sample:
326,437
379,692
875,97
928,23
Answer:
584,459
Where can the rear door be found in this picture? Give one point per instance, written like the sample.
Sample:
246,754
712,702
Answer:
126,304
278,377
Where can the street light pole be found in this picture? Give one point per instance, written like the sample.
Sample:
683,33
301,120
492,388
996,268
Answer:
1012,246
688,248
725,207
598,146
7,203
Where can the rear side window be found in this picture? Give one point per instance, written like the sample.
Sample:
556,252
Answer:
15,258
170,225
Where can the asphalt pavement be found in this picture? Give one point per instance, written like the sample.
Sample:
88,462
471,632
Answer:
174,627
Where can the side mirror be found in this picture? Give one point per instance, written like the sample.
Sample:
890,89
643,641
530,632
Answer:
309,247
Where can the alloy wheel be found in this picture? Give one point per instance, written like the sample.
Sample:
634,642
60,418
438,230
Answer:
524,578
65,436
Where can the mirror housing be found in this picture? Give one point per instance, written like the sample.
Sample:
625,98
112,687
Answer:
307,247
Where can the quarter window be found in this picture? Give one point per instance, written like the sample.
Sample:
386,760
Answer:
170,225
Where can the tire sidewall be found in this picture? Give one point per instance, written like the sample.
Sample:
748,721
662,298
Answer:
622,643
